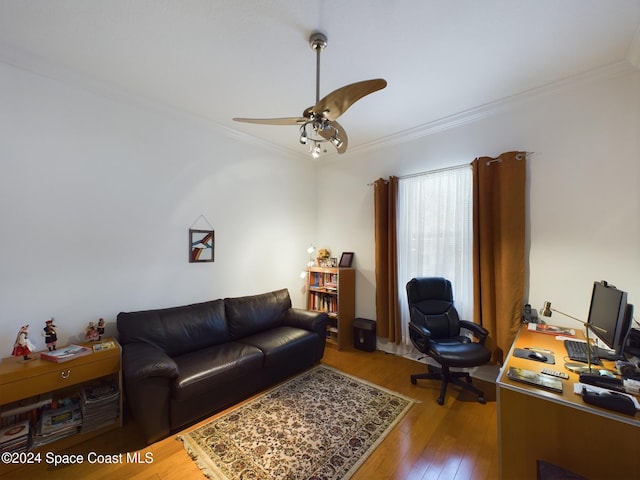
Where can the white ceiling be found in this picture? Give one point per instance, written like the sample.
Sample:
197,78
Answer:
220,59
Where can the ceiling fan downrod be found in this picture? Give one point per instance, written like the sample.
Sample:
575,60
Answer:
318,42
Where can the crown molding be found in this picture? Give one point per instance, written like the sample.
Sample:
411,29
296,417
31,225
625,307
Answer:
499,106
634,50
41,67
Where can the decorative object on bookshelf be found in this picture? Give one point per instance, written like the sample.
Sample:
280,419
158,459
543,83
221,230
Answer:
346,259
65,354
324,254
23,346
50,334
100,328
91,334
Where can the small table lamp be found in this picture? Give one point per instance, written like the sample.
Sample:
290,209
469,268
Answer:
546,312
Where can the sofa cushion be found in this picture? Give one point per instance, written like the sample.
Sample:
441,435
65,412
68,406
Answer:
214,368
176,330
283,345
256,313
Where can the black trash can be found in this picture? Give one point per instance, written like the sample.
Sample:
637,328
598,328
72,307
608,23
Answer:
364,334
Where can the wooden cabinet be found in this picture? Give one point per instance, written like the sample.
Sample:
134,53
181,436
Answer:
333,290
28,382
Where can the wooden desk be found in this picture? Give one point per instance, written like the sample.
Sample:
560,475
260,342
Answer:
536,424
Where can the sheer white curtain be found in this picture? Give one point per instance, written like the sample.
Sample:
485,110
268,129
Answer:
434,235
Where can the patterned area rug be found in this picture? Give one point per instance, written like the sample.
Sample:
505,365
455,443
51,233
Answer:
321,424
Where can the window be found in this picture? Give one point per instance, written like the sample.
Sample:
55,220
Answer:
435,222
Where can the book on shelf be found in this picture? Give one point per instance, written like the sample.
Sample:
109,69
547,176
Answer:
57,423
60,418
551,329
100,404
15,438
65,354
26,405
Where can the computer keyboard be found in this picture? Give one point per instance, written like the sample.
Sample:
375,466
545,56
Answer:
577,352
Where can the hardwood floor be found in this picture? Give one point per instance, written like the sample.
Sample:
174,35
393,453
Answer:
456,441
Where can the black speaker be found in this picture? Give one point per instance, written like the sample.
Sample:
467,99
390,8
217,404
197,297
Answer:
364,334
633,343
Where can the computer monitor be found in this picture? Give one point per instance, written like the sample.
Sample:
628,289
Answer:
608,315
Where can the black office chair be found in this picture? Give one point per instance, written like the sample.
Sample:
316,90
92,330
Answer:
434,329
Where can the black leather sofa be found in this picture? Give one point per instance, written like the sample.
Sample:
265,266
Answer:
184,363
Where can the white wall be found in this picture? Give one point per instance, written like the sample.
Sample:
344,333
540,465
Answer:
97,194
584,176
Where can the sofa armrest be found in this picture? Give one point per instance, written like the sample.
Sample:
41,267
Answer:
312,321
148,373
141,360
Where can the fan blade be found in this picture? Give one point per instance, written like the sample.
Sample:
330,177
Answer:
337,102
341,134
273,121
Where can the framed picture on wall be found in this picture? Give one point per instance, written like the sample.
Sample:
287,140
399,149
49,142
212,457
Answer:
346,259
201,245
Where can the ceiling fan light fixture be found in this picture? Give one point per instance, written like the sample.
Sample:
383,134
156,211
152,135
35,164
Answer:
337,141
303,134
318,123
315,151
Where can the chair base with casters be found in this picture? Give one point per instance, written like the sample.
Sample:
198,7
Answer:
446,376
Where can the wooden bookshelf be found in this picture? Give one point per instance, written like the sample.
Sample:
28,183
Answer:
332,290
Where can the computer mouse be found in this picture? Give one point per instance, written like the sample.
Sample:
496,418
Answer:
537,356
606,373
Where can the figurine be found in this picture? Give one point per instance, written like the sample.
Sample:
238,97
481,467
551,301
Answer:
50,335
92,333
23,346
100,328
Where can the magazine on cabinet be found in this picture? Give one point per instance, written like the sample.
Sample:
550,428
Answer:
551,329
66,353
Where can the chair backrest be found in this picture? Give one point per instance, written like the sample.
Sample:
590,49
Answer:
431,304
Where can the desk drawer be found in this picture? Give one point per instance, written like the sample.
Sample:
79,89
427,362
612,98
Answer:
61,377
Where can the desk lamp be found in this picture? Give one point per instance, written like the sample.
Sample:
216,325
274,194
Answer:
546,312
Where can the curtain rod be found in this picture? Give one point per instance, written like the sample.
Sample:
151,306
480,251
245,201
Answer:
456,167
519,156
438,170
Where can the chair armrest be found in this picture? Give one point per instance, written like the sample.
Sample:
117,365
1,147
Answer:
419,335
312,321
141,360
420,330
478,330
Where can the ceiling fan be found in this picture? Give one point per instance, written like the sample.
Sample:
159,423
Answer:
318,122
